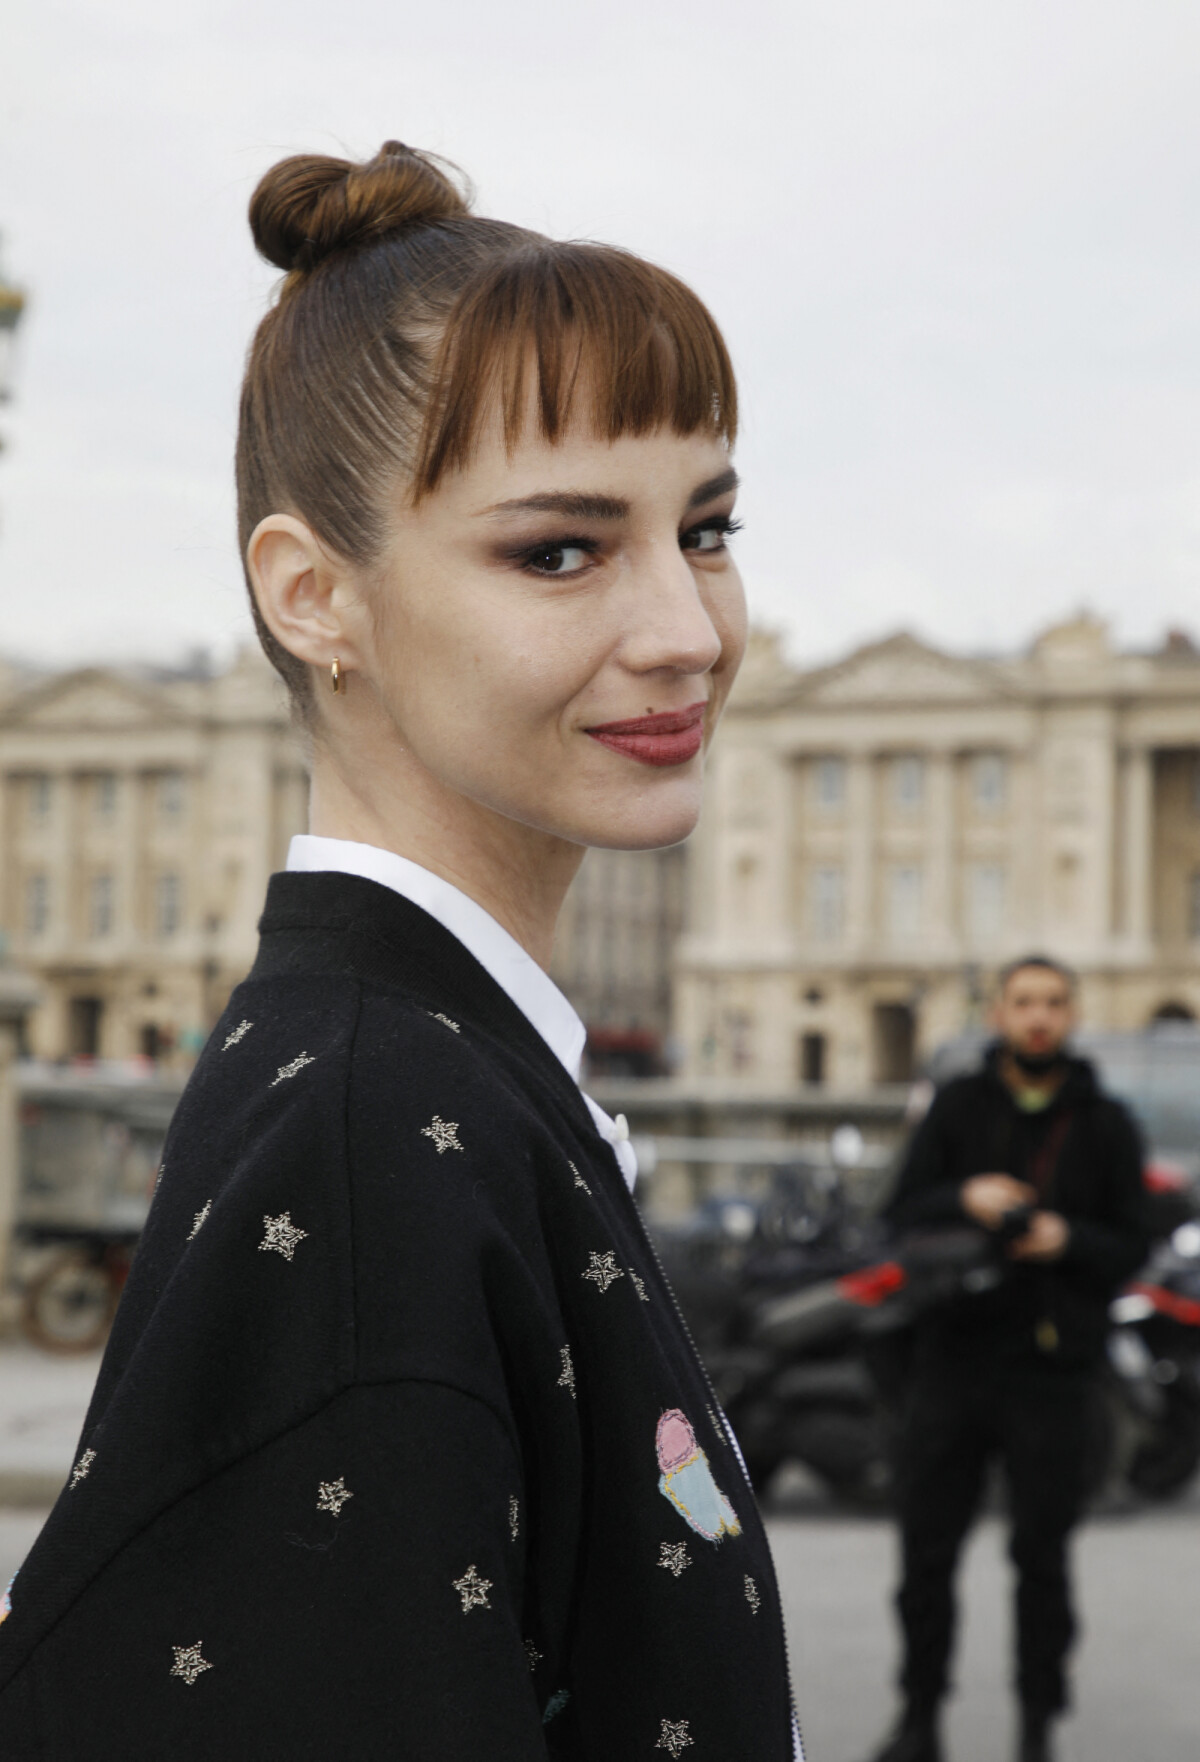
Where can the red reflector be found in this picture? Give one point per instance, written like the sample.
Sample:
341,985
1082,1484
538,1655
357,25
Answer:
873,1284
1180,1309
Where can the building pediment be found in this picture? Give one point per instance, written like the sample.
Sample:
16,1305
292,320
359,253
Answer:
89,698
899,670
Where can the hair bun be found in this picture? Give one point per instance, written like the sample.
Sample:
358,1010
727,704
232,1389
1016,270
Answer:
311,205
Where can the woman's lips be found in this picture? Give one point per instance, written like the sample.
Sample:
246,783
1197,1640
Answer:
669,739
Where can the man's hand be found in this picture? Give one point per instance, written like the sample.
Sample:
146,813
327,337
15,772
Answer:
1045,1239
986,1198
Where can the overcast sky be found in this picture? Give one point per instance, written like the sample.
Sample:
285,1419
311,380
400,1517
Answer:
954,245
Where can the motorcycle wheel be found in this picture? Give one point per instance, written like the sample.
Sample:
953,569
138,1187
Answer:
70,1305
1164,1464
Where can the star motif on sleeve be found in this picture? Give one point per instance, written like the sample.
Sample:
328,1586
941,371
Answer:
83,1467
473,1590
189,1662
514,1516
239,1033
674,1557
603,1269
752,1596
674,1736
201,1219
579,1180
332,1495
282,1235
445,1021
638,1286
443,1132
533,1655
567,1379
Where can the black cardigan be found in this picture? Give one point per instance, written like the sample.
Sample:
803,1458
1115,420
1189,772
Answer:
1086,1148
399,1447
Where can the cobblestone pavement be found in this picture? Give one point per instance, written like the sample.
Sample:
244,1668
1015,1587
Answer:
1137,1679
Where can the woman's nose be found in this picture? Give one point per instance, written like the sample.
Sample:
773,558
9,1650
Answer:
670,625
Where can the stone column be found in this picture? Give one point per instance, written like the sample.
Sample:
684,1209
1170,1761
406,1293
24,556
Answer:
940,917
1137,847
860,853
18,994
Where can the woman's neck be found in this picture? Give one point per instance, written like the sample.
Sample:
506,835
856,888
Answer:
515,872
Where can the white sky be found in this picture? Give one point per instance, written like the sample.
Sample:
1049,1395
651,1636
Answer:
954,244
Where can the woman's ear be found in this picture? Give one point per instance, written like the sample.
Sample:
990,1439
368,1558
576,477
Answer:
300,589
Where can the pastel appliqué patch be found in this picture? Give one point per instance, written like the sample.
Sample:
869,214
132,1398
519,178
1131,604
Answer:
687,1480
6,1600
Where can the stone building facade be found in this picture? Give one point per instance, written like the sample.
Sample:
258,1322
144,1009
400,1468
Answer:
139,820
882,834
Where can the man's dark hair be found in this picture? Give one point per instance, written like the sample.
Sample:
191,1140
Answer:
1046,961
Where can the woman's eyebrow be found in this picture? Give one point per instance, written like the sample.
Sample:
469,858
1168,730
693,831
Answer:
722,485
574,503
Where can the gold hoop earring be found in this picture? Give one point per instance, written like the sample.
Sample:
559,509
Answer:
335,675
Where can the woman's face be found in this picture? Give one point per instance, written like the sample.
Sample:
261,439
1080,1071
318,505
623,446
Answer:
554,632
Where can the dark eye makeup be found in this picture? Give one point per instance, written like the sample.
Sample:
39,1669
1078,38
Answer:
546,558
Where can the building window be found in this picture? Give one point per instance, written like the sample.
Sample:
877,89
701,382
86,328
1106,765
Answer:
86,1015
100,905
989,781
908,780
826,904
104,796
986,888
1194,904
812,1059
37,904
171,795
904,901
40,798
166,905
829,782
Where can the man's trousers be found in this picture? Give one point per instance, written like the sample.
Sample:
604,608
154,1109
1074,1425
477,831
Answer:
1035,1418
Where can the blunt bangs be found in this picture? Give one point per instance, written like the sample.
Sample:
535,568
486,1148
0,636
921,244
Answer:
554,323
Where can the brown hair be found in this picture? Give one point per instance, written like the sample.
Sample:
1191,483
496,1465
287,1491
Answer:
405,320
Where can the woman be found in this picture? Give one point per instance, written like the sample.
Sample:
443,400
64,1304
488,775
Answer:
400,1448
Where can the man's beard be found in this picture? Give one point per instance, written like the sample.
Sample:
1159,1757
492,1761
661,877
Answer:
1037,1064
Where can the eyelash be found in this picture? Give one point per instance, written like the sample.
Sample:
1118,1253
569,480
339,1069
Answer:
527,557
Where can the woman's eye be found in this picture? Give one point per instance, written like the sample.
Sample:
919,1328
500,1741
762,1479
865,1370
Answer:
564,559
710,537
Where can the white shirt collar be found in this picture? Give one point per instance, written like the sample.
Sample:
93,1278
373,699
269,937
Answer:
516,972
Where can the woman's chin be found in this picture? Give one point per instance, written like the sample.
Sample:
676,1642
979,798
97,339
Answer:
648,822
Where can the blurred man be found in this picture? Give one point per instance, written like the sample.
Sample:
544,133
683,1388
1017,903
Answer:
1032,1150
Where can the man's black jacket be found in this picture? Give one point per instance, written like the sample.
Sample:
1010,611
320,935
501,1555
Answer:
373,1467
1087,1153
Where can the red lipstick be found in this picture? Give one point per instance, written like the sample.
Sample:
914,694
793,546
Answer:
669,739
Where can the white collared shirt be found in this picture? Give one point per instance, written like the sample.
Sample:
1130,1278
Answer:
516,972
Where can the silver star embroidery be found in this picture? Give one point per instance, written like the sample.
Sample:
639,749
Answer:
533,1655
473,1590
83,1467
445,1021
674,1557
514,1517
567,1379
443,1132
286,1071
189,1662
239,1033
603,1269
200,1220
332,1495
716,1424
638,1286
579,1180
162,1169
674,1736
752,1596
282,1235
